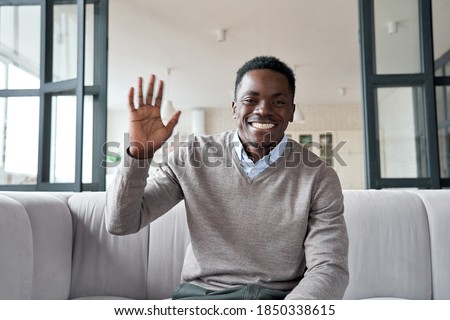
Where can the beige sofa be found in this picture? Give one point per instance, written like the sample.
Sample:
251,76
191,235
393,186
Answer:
55,246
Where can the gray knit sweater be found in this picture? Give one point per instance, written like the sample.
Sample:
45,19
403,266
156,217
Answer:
283,229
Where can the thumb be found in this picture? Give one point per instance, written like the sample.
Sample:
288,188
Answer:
173,122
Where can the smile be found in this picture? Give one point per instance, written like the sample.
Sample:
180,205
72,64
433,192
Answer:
259,125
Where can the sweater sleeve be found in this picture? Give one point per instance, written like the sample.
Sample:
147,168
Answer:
132,202
326,243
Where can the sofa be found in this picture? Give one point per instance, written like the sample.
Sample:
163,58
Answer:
55,246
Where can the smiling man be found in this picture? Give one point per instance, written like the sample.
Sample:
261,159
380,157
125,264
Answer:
266,220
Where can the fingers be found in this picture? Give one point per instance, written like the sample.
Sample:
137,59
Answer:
159,95
151,85
172,122
140,95
130,99
149,96
151,89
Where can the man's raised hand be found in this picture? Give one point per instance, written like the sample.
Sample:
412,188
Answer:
147,131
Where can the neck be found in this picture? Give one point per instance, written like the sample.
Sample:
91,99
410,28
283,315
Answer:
256,152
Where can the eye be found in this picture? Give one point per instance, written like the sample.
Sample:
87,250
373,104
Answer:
279,103
249,101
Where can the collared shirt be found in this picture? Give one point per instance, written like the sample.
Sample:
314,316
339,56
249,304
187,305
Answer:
253,169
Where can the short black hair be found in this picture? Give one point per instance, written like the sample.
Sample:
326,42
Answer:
266,62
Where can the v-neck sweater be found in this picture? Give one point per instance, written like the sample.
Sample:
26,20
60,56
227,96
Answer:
283,229
252,169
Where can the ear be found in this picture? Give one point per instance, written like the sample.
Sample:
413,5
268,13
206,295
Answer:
293,112
233,109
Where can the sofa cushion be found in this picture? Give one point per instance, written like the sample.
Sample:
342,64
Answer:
389,253
169,237
437,203
16,250
104,264
51,224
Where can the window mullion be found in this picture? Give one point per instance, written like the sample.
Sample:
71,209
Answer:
80,94
430,93
367,39
100,100
45,100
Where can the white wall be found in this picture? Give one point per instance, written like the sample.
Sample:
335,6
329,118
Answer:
345,124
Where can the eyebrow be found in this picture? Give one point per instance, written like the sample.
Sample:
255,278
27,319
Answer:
255,93
251,92
279,94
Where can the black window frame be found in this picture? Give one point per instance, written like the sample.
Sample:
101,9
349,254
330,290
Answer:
76,87
372,81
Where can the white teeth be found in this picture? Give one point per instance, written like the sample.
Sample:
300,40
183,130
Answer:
263,125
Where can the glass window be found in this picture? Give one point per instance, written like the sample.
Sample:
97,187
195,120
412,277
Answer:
397,38
441,27
65,42
439,72
401,135
444,152
57,145
443,117
447,102
63,139
20,47
440,105
3,116
89,47
3,74
88,138
21,79
19,122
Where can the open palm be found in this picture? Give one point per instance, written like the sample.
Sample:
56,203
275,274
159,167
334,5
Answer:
147,131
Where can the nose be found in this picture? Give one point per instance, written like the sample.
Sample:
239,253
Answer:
263,108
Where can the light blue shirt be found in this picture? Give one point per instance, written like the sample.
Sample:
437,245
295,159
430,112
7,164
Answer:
253,169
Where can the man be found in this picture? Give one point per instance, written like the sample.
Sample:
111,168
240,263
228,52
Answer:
265,217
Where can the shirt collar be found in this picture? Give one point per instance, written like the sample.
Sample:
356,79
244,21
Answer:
270,158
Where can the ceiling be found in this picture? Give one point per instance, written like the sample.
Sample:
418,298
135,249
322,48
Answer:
318,39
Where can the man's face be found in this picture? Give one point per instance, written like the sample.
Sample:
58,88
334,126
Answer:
263,108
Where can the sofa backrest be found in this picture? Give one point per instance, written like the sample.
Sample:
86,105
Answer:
103,264
55,246
145,265
389,254
169,238
16,251
36,246
437,203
